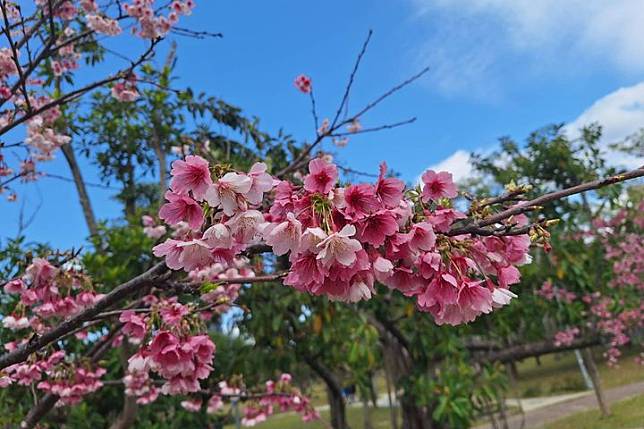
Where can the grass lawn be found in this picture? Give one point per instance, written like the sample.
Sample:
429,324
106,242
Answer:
379,417
560,374
627,414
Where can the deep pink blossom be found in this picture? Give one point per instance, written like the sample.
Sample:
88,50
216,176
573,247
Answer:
303,83
191,175
181,208
389,189
322,176
360,201
438,185
377,227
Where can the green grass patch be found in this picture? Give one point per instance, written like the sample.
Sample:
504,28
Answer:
627,414
559,374
355,416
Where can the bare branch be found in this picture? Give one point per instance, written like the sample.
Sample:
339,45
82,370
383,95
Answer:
347,90
474,228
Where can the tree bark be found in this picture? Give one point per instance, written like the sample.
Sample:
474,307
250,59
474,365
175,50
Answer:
366,413
81,189
589,361
396,349
127,417
523,351
393,403
334,393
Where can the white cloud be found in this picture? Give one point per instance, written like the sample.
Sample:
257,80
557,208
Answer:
457,163
621,114
475,43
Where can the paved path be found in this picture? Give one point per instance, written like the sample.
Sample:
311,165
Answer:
539,411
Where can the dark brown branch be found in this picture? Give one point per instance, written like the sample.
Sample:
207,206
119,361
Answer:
347,90
391,92
523,351
378,128
14,55
475,227
72,95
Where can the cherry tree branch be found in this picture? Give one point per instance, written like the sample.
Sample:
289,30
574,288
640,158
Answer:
48,401
347,90
113,297
72,95
475,227
522,351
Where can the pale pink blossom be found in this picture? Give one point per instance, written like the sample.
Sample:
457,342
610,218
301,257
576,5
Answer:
192,405
262,182
228,193
285,236
339,247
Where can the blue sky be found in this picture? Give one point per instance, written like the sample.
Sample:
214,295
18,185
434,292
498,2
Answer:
498,67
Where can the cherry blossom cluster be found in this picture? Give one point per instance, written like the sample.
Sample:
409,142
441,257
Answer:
71,383
180,358
151,24
75,21
616,311
49,293
41,298
340,240
126,90
278,396
627,251
566,337
550,292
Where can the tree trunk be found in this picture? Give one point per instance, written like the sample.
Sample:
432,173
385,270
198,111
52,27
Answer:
393,412
127,417
413,416
129,191
334,393
373,395
589,361
163,168
366,413
395,349
83,196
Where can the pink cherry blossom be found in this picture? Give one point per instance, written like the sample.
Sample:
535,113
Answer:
303,83
180,208
134,326
438,185
228,193
322,176
14,286
360,201
192,405
377,227
262,182
191,175
339,247
389,190
214,404
195,254
284,237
